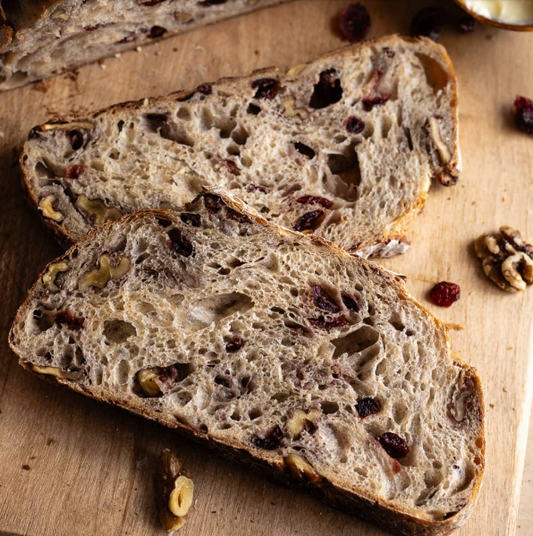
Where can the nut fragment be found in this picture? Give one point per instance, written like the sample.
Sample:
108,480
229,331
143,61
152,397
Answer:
296,70
60,14
175,493
506,259
86,125
291,111
301,468
98,209
436,136
49,277
46,205
300,421
146,379
99,277
57,372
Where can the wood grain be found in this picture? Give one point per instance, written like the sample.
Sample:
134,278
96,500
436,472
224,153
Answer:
69,465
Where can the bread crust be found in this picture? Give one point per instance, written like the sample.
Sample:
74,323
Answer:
394,231
365,505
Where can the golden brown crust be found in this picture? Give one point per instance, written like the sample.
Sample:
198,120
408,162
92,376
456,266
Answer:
369,507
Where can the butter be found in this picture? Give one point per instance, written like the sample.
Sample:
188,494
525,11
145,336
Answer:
505,11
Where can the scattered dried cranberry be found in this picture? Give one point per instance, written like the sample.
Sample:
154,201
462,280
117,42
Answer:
204,89
234,344
267,88
524,114
328,325
394,445
324,301
307,221
428,22
351,303
444,294
370,102
65,318
354,125
327,91
157,31
179,243
467,25
315,200
354,22
191,219
251,187
367,406
231,166
75,171
271,441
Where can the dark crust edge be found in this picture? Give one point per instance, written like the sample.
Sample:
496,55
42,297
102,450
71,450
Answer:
398,227
369,509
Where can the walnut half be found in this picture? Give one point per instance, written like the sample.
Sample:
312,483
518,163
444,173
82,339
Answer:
506,258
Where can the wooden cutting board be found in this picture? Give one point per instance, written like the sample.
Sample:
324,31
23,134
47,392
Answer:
72,466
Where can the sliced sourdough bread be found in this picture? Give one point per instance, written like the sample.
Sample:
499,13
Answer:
344,147
278,348
42,38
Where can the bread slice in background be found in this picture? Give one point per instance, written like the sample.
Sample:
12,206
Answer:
277,348
42,38
281,142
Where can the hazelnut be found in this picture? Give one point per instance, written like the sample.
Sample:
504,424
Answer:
300,421
301,468
291,111
146,379
46,205
506,259
96,208
436,136
99,277
49,277
180,499
85,125
58,373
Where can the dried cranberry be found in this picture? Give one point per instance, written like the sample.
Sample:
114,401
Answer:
524,114
354,23
234,344
428,22
75,138
324,301
267,88
315,200
367,406
327,91
251,187
394,445
179,243
354,125
271,440
328,325
75,171
370,102
204,89
444,294
307,221
65,318
157,31
191,219
351,303
231,166
467,25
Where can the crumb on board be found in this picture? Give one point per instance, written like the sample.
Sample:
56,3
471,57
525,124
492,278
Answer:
138,49
505,390
510,348
492,406
42,86
26,467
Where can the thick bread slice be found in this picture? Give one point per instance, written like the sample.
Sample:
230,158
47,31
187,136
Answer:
273,346
42,38
278,141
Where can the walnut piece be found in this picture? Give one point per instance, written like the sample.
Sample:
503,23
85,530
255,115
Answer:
100,276
146,379
46,205
436,136
506,258
49,278
175,493
97,208
58,373
291,111
300,421
301,468
85,125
